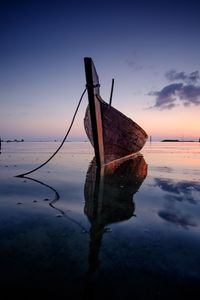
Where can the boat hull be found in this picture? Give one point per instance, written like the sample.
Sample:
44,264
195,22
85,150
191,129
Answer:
121,135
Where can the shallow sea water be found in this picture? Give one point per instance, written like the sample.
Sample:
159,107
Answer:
133,234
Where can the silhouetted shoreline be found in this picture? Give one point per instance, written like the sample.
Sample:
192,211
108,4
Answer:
168,140
13,141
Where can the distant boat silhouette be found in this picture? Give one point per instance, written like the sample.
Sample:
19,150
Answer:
112,134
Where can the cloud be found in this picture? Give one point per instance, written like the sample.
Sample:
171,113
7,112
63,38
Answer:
186,92
134,65
190,94
166,98
192,78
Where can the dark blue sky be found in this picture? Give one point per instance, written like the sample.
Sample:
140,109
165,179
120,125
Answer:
136,42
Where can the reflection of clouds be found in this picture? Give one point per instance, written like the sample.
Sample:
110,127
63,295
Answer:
167,185
177,218
183,190
178,192
173,197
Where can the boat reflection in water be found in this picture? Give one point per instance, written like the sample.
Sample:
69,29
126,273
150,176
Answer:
109,198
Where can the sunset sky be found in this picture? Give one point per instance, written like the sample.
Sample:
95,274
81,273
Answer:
150,48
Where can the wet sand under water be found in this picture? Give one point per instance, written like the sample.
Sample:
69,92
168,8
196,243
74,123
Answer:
132,231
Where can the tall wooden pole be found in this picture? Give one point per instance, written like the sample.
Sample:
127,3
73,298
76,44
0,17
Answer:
95,110
111,92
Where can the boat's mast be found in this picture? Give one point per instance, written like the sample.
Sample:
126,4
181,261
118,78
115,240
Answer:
111,92
95,110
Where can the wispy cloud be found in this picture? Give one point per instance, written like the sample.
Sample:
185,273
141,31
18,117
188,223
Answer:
190,94
134,65
166,98
185,91
191,78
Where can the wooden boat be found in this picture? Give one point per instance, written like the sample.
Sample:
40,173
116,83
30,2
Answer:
112,134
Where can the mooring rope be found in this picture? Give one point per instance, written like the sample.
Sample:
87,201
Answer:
68,131
56,198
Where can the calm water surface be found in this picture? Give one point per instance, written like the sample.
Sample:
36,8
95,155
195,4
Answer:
130,231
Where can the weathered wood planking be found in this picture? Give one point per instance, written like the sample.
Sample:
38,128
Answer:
112,134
